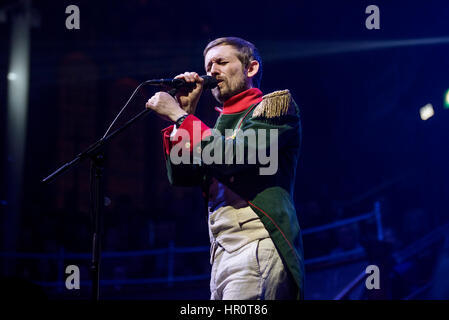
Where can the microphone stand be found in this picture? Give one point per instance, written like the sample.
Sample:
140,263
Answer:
96,157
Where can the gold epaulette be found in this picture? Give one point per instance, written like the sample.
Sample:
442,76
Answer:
274,104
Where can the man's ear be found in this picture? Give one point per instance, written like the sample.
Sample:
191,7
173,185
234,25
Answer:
253,68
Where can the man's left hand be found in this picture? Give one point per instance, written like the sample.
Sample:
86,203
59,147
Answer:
165,106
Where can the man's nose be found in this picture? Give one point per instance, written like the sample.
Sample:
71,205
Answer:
214,70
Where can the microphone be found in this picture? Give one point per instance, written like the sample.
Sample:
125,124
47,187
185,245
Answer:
209,83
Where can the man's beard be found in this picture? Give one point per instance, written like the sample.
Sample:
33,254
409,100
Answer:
223,97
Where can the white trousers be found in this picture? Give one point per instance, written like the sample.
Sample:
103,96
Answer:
253,272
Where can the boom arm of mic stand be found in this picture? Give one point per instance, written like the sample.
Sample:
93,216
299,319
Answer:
92,149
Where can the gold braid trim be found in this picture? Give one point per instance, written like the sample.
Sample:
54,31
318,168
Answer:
274,104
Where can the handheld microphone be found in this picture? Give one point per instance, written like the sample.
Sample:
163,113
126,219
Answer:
209,83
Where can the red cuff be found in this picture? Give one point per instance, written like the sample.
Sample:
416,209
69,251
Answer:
166,139
196,131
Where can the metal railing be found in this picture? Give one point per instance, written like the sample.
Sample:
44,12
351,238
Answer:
171,251
407,253
366,216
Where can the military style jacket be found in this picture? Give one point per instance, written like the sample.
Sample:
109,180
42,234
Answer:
249,122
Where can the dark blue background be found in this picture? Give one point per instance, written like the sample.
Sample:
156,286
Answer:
363,139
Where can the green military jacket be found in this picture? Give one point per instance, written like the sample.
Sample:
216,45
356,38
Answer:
269,195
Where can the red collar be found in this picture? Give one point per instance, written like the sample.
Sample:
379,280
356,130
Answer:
242,101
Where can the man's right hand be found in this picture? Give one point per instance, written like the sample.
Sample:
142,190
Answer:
188,99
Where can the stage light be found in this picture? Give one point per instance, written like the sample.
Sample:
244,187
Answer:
426,112
12,76
446,99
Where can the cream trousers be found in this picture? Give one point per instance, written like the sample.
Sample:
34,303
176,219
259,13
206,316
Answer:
245,262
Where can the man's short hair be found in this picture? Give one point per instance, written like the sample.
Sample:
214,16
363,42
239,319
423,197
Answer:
246,53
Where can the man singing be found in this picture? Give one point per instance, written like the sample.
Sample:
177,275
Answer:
256,246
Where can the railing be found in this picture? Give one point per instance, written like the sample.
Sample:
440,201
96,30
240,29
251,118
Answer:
422,244
171,252
374,214
405,254
345,255
343,294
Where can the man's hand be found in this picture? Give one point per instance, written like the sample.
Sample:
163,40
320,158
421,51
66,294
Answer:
189,99
165,106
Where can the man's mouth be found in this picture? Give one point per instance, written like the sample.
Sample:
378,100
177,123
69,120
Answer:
218,86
